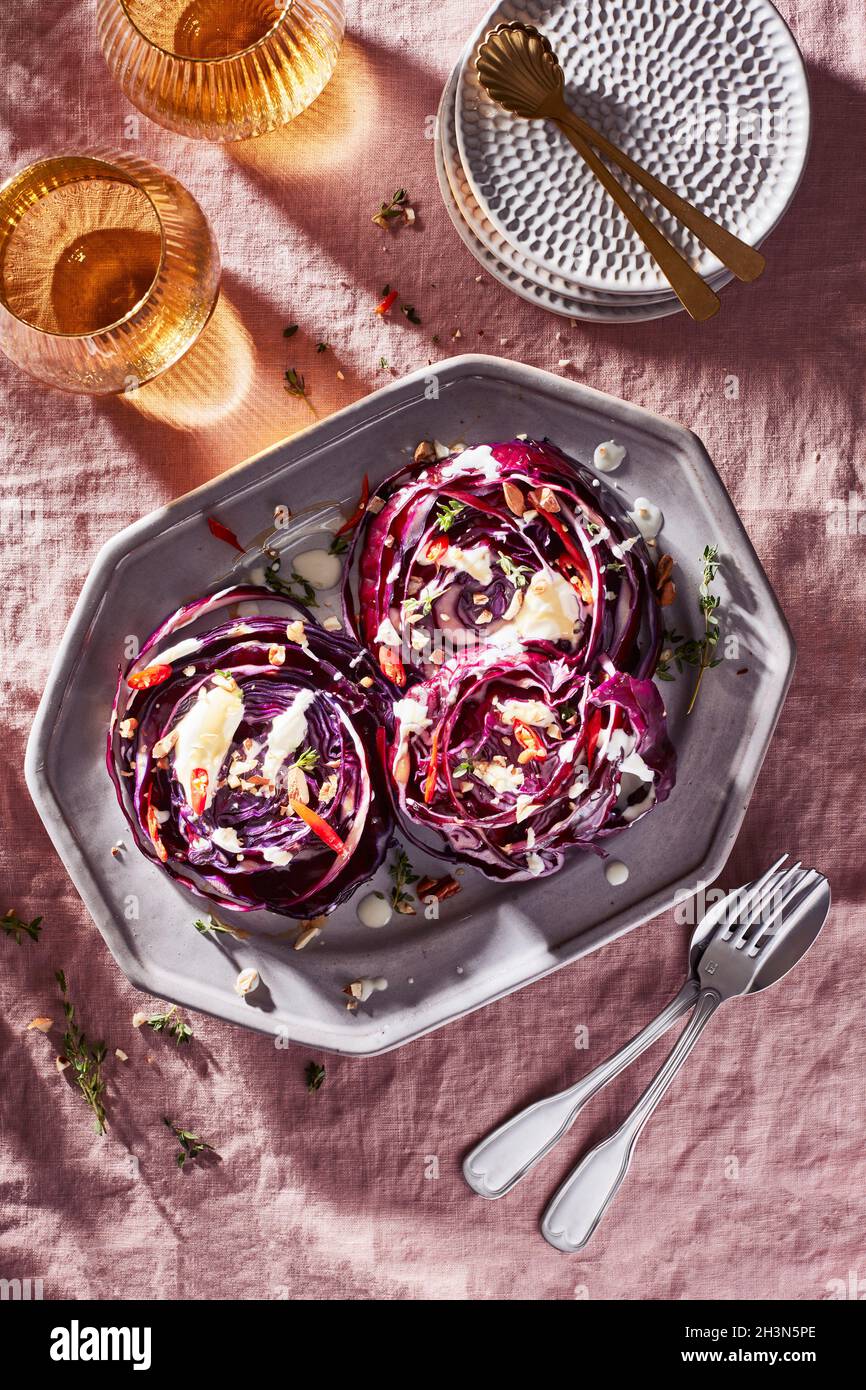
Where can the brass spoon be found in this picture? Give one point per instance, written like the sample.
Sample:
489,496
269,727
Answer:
519,70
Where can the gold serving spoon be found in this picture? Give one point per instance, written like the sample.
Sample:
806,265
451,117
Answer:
519,70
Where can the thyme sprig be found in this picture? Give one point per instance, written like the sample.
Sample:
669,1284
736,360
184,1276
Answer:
84,1057
696,651
172,1024
213,926
401,873
306,760
390,211
448,513
516,573
297,386
13,926
192,1146
297,588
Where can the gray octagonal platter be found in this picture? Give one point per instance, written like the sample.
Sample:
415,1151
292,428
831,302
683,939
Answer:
490,939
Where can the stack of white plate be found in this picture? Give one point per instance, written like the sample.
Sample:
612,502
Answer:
710,95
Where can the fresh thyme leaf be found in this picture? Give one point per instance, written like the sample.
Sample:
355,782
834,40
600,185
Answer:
213,926
516,573
465,767
339,545
290,331
172,1024
192,1146
298,588
401,873
448,513
613,566
13,926
322,347
307,760
567,712
315,1074
84,1057
411,313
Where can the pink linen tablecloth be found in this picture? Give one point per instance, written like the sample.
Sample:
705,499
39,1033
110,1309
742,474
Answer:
750,1183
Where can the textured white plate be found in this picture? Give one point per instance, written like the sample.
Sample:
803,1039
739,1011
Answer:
518,272
492,938
710,95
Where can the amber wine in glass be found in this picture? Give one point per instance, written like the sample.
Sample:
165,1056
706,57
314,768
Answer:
221,69
108,271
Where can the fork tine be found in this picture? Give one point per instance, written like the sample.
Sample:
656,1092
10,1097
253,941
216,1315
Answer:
758,905
741,905
811,879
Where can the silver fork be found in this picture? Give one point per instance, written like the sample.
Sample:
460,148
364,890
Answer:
743,955
505,1155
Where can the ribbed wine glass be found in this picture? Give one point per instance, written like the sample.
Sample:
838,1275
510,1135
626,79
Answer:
221,69
109,271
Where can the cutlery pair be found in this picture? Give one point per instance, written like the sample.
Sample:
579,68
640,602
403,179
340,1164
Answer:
746,942
519,70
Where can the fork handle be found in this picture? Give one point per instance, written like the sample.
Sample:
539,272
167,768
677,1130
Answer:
508,1153
746,263
697,297
577,1207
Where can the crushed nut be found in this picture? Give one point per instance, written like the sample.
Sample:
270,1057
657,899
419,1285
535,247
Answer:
61,1063
366,681
164,745
514,499
296,632
664,566
438,888
425,452
307,935
247,981
277,655
120,1055
43,1025
127,727
544,499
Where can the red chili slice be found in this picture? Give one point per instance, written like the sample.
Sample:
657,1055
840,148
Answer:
359,510
223,533
387,302
198,788
593,730
435,550
149,677
392,666
529,740
153,832
318,826
430,780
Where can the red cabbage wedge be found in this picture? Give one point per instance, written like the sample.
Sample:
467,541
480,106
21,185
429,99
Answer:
247,757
